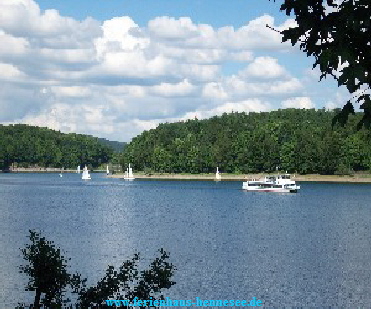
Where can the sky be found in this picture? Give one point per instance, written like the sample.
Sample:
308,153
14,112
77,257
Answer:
114,68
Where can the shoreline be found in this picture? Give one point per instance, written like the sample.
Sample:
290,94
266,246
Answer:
244,177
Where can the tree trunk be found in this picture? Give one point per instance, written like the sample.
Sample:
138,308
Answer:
36,304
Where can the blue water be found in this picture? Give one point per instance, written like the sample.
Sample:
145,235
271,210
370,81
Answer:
307,249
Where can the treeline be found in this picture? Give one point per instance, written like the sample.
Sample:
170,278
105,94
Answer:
27,146
296,140
116,146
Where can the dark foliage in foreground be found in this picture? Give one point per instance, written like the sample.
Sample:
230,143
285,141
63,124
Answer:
48,277
338,35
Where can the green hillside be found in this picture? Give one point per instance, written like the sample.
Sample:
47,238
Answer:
296,140
26,146
116,146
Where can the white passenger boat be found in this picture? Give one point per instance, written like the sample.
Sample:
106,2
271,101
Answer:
280,183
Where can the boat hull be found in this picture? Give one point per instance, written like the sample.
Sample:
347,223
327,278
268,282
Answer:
273,190
270,187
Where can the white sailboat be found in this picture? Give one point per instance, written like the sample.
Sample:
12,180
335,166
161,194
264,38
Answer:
129,174
85,174
217,175
60,174
107,170
78,170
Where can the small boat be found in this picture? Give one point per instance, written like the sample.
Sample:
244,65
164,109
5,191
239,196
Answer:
280,183
107,170
129,174
78,170
217,175
85,174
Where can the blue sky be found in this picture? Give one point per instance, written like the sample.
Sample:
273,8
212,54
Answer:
115,68
217,13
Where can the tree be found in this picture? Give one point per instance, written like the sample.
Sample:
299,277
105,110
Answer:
47,271
128,283
338,34
27,145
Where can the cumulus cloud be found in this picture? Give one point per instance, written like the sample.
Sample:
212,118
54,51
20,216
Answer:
9,71
238,87
174,29
252,105
11,45
114,78
214,90
264,67
71,91
23,18
298,102
172,90
254,34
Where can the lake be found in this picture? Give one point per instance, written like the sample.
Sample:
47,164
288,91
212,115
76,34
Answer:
312,248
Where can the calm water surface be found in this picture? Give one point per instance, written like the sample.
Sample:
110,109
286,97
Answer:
307,249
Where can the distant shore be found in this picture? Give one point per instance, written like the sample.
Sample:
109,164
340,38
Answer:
361,178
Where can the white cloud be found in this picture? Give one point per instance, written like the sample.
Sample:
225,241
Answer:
253,35
264,67
242,56
252,105
298,102
12,45
338,99
72,91
214,90
114,78
172,90
170,28
23,18
9,71
117,37
331,105
240,87
67,56
292,85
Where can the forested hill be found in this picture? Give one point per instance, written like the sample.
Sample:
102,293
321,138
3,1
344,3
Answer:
29,146
296,140
116,146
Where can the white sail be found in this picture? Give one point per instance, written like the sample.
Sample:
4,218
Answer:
85,174
107,170
78,170
129,173
217,174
